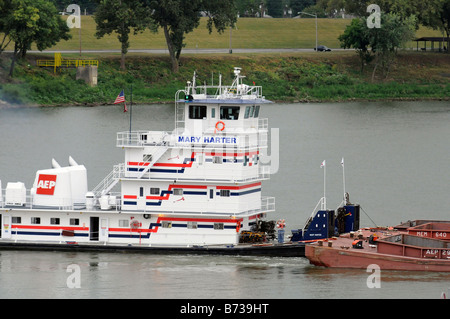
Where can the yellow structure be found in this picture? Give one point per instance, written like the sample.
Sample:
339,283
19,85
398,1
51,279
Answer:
59,62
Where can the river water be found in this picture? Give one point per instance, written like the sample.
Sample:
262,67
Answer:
396,166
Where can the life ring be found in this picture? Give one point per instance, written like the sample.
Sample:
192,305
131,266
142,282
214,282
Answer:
135,224
222,127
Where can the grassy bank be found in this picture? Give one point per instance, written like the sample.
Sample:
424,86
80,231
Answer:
249,33
332,76
305,77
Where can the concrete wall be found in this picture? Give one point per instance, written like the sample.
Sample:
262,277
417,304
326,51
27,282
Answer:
88,74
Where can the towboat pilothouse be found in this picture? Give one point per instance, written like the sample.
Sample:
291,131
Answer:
197,188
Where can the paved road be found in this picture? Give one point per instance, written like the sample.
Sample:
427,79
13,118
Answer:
186,51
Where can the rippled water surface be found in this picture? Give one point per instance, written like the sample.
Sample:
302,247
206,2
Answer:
396,166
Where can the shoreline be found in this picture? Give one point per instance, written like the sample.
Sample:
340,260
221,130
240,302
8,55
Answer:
4,104
286,78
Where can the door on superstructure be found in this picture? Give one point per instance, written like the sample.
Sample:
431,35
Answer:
200,164
94,229
6,226
141,199
103,236
211,193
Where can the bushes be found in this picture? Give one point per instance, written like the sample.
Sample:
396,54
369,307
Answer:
14,94
283,78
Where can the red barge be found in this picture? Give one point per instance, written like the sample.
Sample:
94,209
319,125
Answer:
417,246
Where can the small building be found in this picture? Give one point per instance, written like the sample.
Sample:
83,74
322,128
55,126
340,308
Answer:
442,43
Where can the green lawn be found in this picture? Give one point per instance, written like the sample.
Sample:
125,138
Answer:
248,33
293,76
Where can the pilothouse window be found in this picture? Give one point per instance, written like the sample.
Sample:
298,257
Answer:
197,112
251,111
229,112
256,114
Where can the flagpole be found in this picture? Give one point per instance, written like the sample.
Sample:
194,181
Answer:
131,105
324,202
324,185
343,175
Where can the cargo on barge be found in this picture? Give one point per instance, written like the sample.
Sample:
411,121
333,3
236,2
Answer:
389,248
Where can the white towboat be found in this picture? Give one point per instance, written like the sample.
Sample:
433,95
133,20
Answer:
195,189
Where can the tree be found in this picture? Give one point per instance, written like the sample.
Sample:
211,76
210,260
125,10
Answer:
315,10
436,14
248,8
88,5
300,5
179,17
356,36
6,11
275,8
121,16
383,42
357,7
33,21
386,41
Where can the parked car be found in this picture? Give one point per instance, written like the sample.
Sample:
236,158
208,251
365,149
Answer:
322,48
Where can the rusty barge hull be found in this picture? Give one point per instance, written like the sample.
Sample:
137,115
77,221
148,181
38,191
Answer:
394,250
329,257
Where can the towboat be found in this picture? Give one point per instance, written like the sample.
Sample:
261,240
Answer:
422,246
196,189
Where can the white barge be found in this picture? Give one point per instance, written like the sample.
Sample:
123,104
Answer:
196,189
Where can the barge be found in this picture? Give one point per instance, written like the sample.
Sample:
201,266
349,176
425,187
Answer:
413,248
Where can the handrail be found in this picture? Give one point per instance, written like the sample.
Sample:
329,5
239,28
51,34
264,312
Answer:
321,201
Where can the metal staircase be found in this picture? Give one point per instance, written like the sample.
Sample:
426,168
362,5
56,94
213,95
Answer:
118,171
109,181
179,112
155,157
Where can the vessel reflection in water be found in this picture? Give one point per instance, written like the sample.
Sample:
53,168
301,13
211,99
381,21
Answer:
195,189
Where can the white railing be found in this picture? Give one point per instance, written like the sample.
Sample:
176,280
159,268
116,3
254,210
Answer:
242,91
267,204
321,203
264,172
164,138
110,180
56,203
140,138
263,123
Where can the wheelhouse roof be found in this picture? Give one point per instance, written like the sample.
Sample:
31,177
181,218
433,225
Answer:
227,101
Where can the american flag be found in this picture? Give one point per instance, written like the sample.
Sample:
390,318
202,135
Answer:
121,99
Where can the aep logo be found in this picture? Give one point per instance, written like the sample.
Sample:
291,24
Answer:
46,184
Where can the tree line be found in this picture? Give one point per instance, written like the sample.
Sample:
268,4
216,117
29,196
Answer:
24,22
399,19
